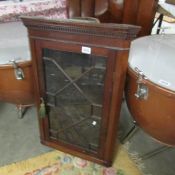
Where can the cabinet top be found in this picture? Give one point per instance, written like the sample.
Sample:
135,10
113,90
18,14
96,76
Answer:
81,28
124,30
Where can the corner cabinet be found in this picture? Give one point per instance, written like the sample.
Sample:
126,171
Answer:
79,74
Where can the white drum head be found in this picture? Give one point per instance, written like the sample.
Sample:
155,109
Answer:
154,55
14,43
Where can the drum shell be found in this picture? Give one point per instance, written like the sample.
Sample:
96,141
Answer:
19,92
156,114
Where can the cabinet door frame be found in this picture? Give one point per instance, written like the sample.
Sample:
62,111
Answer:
111,56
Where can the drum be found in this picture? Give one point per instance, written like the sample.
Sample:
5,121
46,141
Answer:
150,86
16,84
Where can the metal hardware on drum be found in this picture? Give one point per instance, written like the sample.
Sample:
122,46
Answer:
142,89
19,74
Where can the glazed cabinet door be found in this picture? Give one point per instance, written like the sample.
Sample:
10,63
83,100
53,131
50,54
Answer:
77,91
79,73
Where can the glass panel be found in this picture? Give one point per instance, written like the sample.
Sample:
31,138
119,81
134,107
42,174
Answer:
74,87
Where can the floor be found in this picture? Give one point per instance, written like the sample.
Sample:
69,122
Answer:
20,140
151,156
19,137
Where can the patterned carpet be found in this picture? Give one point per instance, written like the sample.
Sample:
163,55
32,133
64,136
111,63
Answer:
58,163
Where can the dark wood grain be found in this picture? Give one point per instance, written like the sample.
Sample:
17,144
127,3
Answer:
111,42
136,12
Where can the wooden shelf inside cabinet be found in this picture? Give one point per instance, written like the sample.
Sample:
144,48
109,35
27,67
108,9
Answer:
79,72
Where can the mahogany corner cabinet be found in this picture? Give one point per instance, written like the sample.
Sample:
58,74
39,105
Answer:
79,73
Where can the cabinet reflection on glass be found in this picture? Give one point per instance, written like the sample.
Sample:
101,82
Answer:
74,86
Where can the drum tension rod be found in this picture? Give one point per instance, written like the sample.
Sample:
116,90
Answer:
19,74
142,89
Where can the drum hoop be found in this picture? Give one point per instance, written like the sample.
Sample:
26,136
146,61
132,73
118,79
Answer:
20,64
152,85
